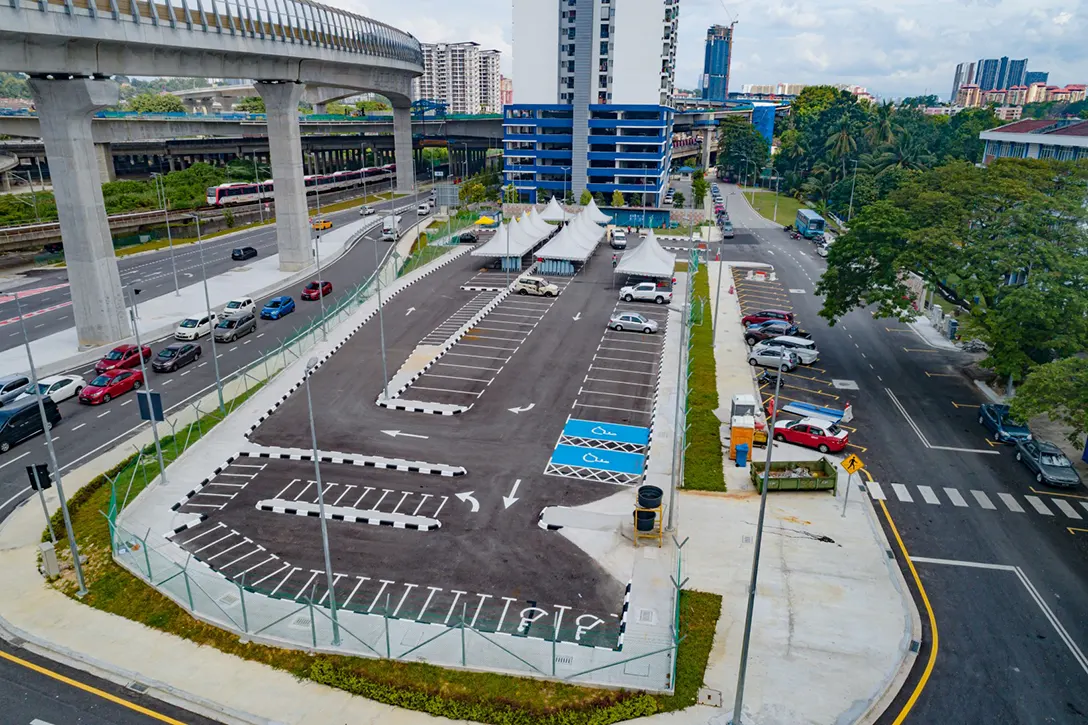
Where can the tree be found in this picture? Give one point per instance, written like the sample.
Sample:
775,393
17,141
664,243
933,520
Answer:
699,188
741,145
678,200
813,100
472,191
1059,390
617,198
585,197
367,106
336,108
152,103
882,128
510,194
841,144
599,198
691,162
13,85
250,104
921,101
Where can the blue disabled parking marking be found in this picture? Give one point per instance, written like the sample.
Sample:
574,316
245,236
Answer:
599,459
607,431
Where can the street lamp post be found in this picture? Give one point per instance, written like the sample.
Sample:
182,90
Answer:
850,214
310,365
320,287
738,703
160,184
143,372
381,321
775,219
46,426
208,305
257,181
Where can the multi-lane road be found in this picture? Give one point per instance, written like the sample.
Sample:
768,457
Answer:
1000,558
87,431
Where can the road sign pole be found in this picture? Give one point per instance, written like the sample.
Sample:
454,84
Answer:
41,496
849,479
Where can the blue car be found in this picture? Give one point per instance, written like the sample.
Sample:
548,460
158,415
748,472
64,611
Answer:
277,307
996,419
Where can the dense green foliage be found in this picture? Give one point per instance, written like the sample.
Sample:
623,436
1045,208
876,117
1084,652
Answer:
13,85
741,147
829,132
155,103
1059,389
617,198
1056,109
250,104
1008,240
481,187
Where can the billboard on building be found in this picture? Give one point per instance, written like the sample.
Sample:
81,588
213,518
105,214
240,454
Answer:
763,119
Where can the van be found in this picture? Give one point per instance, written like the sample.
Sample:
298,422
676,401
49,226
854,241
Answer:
389,228
21,420
805,349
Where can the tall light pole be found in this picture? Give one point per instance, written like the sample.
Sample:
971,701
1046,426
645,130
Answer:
381,321
310,365
738,703
257,181
320,286
850,214
147,384
208,305
317,185
775,219
160,184
46,426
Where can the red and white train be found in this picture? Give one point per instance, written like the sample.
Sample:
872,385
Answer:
242,193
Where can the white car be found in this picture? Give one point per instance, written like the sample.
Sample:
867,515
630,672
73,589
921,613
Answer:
619,239
238,307
535,286
646,292
196,326
57,387
367,210
632,321
423,210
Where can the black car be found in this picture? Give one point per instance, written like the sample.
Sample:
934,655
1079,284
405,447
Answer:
174,356
467,238
21,420
243,253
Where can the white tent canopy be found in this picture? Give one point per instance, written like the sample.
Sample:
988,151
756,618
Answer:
575,243
595,214
514,239
647,260
553,212
533,221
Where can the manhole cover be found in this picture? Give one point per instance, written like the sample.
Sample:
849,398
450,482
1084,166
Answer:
647,616
845,384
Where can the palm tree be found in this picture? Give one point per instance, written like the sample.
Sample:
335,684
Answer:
817,187
883,128
841,143
906,152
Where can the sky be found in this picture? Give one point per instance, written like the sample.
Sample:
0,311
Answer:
895,49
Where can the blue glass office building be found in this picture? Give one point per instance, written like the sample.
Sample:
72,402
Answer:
593,98
716,57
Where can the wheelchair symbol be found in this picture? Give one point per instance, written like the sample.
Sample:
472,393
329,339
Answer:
598,430
591,458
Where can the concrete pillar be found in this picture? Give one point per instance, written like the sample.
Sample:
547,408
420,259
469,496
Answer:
285,148
65,108
321,108
5,181
106,170
708,141
402,146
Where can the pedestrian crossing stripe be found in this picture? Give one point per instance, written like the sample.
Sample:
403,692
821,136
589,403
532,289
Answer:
1009,502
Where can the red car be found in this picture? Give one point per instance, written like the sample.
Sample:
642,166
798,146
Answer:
316,290
109,385
823,435
122,356
763,315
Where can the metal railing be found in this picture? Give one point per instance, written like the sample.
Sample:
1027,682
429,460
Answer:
286,21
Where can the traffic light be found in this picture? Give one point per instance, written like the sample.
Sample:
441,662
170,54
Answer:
40,478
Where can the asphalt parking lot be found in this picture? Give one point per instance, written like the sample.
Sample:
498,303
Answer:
431,547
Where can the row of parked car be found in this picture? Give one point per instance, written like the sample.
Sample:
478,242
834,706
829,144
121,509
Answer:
1042,458
721,214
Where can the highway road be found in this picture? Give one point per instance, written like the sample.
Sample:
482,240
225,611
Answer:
87,431
1000,558
47,302
36,691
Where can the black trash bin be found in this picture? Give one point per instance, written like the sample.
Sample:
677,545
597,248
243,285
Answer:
644,520
649,497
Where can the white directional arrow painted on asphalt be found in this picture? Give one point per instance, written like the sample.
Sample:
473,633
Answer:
527,408
410,311
508,501
402,434
188,274
578,317
470,499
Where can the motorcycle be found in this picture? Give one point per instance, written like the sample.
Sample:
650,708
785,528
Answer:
794,235
788,229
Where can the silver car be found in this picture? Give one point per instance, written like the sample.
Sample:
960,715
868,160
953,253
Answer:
773,357
632,321
231,328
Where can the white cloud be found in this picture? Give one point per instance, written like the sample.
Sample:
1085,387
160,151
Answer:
895,49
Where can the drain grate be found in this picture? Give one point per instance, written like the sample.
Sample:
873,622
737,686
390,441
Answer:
564,659
647,616
137,687
229,599
301,622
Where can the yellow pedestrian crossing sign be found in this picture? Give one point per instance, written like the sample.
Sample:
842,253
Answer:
852,464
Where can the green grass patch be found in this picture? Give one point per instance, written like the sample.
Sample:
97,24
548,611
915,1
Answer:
703,460
421,255
455,694
787,206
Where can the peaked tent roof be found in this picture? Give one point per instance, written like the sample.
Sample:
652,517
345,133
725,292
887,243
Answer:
595,214
513,240
553,212
647,260
533,221
576,242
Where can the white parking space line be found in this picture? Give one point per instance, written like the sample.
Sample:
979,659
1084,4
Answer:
216,541
616,382
1038,505
928,495
1011,503
616,395
255,566
282,581
306,586
983,500
487,347
466,367
610,407
902,493
212,530
444,390
1065,508
453,377
955,497
876,492
621,370
650,353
